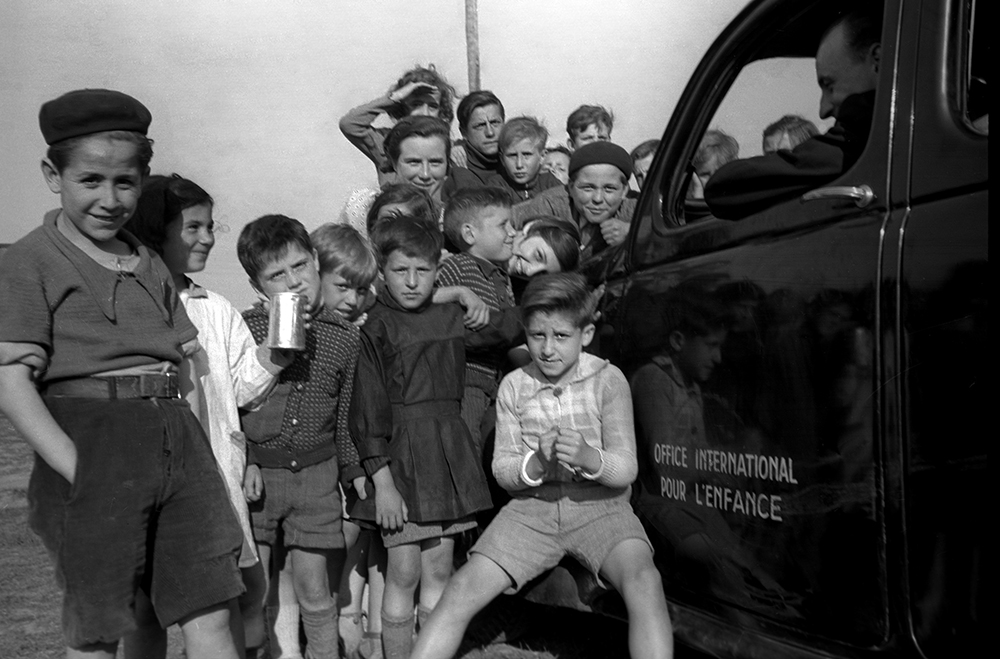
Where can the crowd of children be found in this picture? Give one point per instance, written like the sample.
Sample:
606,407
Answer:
255,491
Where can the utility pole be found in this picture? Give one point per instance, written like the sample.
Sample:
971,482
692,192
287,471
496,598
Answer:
472,43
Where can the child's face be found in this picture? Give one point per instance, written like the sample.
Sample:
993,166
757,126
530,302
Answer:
523,160
189,239
557,164
341,295
592,133
640,168
295,271
99,187
491,234
423,161
409,279
482,131
555,342
533,255
597,192
697,356
423,103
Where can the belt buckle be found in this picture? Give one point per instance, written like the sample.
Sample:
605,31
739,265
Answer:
158,385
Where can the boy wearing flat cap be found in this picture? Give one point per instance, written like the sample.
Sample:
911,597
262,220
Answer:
594,199
125,492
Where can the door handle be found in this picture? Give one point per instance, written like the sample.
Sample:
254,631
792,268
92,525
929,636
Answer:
862,195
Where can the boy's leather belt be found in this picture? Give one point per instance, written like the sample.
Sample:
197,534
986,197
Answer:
146,385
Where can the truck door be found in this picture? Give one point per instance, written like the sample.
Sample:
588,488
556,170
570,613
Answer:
943,297
761,459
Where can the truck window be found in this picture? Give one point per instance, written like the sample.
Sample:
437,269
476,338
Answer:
759,80
772,106
977,56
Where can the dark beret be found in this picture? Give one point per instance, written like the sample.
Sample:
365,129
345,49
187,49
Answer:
87,111
600,153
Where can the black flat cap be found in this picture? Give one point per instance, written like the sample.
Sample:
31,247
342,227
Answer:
87,111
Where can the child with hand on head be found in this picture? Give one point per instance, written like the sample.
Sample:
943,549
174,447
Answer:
421,91
91,338
231,371
565,450
522,149
556,162
406,421
299,436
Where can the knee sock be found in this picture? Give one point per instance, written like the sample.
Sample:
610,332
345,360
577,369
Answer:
371,646
322,633
397,636
283,631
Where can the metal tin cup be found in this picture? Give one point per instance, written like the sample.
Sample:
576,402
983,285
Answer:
286,327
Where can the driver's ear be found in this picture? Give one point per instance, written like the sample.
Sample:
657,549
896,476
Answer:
876,54
676,341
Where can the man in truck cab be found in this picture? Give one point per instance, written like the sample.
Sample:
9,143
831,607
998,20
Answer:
847,65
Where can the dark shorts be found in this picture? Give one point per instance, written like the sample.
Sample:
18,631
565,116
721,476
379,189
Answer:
147,506
304,504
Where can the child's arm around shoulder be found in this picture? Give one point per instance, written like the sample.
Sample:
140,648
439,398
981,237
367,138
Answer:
504,330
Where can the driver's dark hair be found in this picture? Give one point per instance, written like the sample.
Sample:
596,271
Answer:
863,28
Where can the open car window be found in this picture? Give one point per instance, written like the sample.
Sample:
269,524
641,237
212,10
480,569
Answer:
763,76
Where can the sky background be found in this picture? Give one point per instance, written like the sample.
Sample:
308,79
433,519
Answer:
246,94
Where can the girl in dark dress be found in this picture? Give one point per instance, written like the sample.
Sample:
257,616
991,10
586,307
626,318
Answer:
427,476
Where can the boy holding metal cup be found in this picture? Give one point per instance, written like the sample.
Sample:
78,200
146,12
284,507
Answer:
298,434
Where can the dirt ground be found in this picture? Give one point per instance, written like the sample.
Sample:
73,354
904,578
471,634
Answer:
30,600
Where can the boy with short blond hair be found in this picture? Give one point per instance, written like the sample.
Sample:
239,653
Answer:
296,435
522,151
478,221
347,268
565,450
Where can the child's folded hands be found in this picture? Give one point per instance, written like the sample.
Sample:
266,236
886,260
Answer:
572,451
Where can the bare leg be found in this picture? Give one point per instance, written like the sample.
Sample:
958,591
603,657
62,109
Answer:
352,587
207,634
437,558
376,581
313,572
283,607
252,605
629,567
401,580
476,584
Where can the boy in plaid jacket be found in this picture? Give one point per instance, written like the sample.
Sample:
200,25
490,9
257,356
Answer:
565,450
